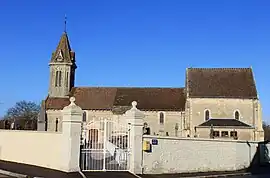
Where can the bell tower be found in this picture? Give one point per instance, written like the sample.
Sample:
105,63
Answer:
62,69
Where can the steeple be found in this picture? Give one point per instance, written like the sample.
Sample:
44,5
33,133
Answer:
63,52
62,68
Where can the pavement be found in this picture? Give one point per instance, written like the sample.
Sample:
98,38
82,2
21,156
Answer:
235,176
4,176
252,176
7,174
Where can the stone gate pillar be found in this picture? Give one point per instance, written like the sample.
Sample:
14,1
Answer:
134,118
71,130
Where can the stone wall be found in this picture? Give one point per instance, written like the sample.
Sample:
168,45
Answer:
178,155
35,148
249,109
59,151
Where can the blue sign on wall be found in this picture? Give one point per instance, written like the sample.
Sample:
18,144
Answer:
154,141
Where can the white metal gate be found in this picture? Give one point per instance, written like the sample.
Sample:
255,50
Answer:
104,146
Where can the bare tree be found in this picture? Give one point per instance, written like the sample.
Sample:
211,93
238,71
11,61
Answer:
23,110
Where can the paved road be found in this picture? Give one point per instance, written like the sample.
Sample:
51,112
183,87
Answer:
251,176
4,176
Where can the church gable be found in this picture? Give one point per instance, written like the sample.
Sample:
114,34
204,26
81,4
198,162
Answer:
221,83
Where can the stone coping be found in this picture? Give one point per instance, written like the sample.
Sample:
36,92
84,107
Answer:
198,139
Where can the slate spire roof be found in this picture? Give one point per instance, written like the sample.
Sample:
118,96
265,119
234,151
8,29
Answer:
63,51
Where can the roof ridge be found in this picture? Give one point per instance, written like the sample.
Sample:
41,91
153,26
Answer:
219,68
116,87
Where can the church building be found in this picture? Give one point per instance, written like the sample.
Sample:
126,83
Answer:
216,103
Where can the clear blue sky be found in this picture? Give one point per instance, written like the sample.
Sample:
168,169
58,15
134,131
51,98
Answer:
131,42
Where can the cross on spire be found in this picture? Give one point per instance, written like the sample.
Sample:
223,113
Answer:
65,26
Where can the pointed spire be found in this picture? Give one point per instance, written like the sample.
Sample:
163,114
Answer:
63,52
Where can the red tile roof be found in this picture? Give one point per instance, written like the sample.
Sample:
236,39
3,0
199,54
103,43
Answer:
106,98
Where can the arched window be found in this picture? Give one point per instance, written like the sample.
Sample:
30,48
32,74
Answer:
84,117
58,79
206,115
161,118
176,128
236,115
56,125
67,76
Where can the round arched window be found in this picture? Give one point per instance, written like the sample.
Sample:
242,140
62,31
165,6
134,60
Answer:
161,118
236,115
207,115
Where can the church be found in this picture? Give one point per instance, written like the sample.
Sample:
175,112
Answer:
216,103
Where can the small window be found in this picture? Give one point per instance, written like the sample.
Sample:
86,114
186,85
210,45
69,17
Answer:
233,134
236,115
225,134
60,79
56,78
56,125
161,118
167,133
216,133
84,117
67,76
206,115
176,126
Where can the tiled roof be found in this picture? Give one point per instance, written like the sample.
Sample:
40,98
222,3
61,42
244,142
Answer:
108,98
56,103
152,98
64,47
221,83
224,122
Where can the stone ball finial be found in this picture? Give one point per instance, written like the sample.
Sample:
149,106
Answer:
72,100
134,104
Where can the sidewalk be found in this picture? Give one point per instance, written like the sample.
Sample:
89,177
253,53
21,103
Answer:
8,174
238,174
199,174
4,176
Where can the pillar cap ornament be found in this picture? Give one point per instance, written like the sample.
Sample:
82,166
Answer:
134,111
134,104
72,107
72,100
